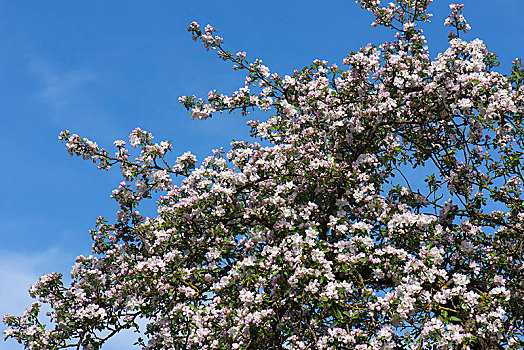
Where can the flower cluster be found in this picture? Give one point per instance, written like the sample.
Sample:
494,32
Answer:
457,20
208,38
403,12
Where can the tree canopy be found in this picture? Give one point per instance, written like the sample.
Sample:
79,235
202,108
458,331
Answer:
382,209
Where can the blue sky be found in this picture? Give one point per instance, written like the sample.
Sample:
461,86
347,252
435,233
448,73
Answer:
102,68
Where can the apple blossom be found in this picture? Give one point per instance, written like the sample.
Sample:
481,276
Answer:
327,238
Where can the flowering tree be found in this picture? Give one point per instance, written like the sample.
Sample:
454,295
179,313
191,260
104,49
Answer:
324,239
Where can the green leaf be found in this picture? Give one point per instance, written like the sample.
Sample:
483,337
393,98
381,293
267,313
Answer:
338,314
455,319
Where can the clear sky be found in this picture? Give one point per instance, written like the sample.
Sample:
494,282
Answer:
102,68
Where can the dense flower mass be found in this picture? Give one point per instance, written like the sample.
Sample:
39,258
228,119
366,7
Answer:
327,238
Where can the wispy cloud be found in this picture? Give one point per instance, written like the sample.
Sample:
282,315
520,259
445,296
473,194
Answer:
18,271
72,96
61,88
